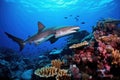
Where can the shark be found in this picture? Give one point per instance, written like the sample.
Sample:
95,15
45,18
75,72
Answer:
43,35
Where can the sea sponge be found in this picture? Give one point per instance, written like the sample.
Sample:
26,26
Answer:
57,63
78,45
46,72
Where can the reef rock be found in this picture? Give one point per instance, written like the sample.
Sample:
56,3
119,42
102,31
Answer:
27,75
55,53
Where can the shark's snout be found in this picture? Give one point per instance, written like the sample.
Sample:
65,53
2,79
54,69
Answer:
66,31
76,28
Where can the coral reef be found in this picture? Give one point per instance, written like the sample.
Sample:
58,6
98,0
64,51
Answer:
94,58
78,45
102,54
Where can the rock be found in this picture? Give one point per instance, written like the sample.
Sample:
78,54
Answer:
4,63
77,37
55,53
41,57
17,74
27,75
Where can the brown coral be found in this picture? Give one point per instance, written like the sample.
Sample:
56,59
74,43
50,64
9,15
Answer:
56,63
78,45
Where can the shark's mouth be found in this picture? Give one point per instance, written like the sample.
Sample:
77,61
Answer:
74,29
67,31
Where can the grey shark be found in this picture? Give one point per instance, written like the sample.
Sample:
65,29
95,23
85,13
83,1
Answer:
43,35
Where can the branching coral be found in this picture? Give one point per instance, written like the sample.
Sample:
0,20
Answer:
56,63
116,57
61,74
110,38
46,72
78,45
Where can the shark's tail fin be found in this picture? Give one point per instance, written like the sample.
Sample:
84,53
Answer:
18,40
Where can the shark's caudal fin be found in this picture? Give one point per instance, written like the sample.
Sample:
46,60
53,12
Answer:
18,40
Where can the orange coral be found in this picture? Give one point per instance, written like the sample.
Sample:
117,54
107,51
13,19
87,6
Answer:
110,38
116,57
56,63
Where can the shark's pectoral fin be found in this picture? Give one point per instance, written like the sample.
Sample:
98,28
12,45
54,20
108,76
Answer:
53,39
36,44
30,43
40,27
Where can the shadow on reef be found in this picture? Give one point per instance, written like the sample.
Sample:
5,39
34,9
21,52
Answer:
88,56
77,37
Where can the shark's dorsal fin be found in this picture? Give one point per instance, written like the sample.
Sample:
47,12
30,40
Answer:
40,27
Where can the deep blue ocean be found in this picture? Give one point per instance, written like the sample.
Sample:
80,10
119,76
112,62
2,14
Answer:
20,17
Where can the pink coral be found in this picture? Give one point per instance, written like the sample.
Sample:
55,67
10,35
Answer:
84,55
75,72
77,58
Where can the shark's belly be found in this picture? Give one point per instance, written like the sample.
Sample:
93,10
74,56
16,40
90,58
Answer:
43,39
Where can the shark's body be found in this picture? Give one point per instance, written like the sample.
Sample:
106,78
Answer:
40,37
44,35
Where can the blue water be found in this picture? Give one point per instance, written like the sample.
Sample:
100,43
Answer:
20,17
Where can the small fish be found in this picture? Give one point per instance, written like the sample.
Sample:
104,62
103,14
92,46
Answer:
70,15
76,19
66,17
82,22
